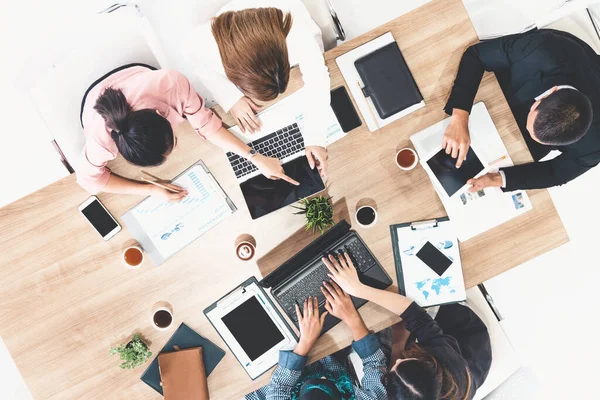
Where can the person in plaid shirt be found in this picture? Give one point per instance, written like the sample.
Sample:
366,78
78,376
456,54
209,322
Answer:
330,377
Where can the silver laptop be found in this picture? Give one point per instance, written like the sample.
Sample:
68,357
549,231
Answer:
280,137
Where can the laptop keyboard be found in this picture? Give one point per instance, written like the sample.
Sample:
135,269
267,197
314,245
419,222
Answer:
280,144
310,284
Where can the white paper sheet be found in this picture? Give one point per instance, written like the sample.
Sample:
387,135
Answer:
172,226
421,283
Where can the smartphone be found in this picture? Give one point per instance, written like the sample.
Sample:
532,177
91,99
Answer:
344,109
99,217
434,259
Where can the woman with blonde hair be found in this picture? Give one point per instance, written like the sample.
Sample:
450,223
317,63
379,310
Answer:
244,56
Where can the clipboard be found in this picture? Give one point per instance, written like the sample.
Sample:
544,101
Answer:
162,235
418,281
225,306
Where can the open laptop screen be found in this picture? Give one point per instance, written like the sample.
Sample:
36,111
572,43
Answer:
264,195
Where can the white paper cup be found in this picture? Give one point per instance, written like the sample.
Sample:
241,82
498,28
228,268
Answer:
413,165
129,266
372,223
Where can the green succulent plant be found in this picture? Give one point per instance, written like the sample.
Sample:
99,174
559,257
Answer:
318,212
133,353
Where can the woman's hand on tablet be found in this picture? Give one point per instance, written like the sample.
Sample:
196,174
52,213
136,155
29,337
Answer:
271,168
311,325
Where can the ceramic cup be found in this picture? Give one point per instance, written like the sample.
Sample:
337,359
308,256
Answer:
245,247
133,257
162,316
406,159
366,216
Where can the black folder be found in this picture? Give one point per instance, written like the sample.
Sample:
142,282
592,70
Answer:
184,338
387,80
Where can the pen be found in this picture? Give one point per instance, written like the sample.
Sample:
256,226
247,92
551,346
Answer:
368,105
497,161
170,189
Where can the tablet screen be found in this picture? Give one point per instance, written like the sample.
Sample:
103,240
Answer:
252,328
452,178
265,195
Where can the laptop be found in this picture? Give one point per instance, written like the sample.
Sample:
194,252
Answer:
303,275
280,137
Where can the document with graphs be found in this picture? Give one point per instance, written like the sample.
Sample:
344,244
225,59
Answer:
163,228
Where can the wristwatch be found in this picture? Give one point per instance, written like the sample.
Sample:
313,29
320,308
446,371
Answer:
251,154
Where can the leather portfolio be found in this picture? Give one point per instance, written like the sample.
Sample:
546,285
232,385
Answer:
182,375
387,80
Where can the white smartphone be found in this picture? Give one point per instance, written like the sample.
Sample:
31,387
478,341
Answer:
99,217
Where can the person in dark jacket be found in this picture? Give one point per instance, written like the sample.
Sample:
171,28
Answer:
551,81
453,355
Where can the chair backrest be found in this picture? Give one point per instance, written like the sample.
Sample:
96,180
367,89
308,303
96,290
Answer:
319,11
505,361
108,42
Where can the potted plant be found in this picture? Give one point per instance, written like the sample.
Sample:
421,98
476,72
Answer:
133,353
318,212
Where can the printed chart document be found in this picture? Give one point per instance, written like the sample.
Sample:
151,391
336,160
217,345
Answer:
416,279
164,228
471,213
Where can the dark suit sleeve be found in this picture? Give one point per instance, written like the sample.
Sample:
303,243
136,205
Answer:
495,55
427,331
542,175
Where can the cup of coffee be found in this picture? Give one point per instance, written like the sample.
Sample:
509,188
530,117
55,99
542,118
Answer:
366,216
133,257
245,247
162,316
406,159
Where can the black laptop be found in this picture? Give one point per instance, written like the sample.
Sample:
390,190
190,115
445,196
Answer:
304,274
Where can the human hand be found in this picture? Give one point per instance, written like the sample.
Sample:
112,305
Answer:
457,139
317,156
167,195
342,271
310,324
243,112
484,181
340,305
271,168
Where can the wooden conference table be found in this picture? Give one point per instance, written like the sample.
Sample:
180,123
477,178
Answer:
66,299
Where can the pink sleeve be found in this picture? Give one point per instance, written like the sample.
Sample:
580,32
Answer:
92,173
203,120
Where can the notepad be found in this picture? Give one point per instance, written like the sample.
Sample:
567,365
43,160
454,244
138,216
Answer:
164,228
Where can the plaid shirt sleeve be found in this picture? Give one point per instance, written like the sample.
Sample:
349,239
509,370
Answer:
373,384
286,375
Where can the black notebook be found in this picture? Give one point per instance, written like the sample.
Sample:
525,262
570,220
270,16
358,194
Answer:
388,81
184,338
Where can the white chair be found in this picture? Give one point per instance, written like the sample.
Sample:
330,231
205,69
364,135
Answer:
109,41
580,22
505,361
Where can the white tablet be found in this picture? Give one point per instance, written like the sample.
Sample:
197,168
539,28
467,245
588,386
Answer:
252,327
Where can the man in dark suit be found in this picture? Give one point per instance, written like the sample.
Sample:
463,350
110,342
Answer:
551,81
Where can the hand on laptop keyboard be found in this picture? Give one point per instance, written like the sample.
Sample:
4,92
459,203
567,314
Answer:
344,273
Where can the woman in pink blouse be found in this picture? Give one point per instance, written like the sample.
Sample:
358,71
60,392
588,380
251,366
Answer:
132,111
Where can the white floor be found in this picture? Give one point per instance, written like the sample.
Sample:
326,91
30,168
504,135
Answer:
549,303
